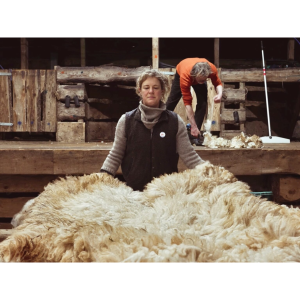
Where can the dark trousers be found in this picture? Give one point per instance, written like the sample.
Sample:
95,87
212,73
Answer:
201,93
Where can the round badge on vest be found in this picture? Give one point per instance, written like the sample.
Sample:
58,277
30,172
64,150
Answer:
162,134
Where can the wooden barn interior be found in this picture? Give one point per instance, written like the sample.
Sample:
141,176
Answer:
61,99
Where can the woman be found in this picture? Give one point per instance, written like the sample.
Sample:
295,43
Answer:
149,139
194,72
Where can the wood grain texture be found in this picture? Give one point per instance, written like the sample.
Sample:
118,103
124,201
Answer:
70,132
49,103
256,75
286,188
71,91
10,206
70,114
33,101
102,74
6,111
19,100
24,183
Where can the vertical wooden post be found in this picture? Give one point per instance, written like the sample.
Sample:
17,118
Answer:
155,53
24,53
217,52
291,49
82,52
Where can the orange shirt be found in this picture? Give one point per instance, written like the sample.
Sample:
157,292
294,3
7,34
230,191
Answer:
184,68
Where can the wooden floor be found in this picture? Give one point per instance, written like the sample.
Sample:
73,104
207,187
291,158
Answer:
53,158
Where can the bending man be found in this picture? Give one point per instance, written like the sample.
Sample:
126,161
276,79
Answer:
194,72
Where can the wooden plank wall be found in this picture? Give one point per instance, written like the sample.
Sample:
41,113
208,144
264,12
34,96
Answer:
32,106
5,101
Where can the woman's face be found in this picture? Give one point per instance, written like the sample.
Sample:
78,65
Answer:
201,79
151,92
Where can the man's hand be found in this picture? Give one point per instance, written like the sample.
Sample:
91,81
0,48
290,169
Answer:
194,131
190,114
217,98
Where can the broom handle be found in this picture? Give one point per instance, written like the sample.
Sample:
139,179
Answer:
265,80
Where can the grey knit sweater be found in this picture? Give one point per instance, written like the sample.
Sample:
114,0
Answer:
183,146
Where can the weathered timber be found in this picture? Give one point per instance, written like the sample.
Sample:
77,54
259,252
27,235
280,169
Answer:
10,206
256,75
293,104
70,132
229,134
234,95
155,53
5,233
98,100
49,102
19,100
217,52
5,226
70,114
228,118
100,111
213,109
251,88
102,74
33,101
286,188
76,159
24,183
6,109
71,91
100,131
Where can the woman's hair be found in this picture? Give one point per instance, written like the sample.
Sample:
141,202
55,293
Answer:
201,69
163,79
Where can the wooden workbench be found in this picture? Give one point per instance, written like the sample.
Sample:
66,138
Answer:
52,158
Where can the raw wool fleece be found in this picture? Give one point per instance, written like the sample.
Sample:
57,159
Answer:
239,141
200,215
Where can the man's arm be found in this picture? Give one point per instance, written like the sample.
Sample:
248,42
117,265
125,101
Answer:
218,97
191,116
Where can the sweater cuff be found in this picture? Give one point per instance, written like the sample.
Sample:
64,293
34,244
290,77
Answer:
105,171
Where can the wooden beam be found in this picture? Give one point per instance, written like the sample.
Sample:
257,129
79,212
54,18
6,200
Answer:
70,114
100,131
256,75
102,74
234,95
24,53
21,158
70,132
82,52
291,49
10,206
71,91
24,183
217,52
285,188
155,53
6,108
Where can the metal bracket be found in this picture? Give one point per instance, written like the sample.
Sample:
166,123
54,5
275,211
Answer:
67,101
6,124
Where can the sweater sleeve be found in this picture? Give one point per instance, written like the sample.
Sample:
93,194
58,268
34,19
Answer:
185,87
184,147
215,79
116,154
